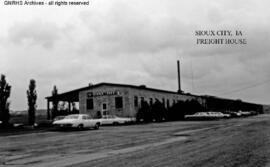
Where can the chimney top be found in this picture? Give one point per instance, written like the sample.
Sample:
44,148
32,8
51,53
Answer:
179,77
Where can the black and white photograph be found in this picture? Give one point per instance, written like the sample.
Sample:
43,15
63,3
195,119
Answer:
137,83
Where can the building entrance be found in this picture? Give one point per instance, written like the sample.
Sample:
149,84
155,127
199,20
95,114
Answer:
104,110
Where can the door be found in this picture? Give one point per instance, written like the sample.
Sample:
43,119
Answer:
105,114
104,109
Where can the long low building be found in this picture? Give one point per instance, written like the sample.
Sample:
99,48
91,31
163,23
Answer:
118,99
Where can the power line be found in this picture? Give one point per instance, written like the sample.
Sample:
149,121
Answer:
247,87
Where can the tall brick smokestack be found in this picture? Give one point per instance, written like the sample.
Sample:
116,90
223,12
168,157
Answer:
179,77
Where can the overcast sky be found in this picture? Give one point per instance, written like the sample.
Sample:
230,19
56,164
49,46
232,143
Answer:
136,42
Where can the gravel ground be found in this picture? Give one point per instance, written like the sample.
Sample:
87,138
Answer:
231,142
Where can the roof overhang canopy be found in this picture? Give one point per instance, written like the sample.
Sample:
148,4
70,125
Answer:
72,96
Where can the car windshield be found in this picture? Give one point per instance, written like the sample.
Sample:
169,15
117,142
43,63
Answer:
59,117
72,117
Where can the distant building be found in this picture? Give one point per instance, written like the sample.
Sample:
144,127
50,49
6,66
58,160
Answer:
125,100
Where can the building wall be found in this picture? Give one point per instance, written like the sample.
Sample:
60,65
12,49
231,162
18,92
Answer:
108,99
128,94
147,95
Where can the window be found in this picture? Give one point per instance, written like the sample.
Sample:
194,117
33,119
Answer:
168,103
151,101
89,104
142,101
163,102
105,113
118,102
104,106
135,101
72,117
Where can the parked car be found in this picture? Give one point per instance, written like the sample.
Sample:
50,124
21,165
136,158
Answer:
253,113
207,115
114,120
59,118
241,113
198,115
245,113
226,115
236,114
79,121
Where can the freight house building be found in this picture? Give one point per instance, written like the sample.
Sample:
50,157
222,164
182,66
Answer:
117,99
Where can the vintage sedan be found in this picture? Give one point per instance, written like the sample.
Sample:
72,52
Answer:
207,115
114,120
79,121
59,117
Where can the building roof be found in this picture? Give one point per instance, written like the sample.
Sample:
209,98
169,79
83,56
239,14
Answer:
74,94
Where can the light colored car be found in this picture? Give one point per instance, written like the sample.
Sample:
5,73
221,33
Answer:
59,118
198,115
114,120
217,115
79,121
207,115
227,115
241,113
236,114
244,113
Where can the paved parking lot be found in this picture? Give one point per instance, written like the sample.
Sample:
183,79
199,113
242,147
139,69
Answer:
230,142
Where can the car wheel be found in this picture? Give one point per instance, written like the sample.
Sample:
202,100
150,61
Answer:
96,126
80,127
115,123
